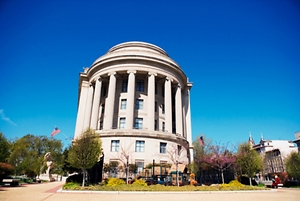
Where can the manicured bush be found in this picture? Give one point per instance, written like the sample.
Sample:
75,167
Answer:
115,182
235,183
139,182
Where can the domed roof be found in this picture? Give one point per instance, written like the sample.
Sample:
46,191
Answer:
137,46
137,50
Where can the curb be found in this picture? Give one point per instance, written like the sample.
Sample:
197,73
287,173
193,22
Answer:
165,192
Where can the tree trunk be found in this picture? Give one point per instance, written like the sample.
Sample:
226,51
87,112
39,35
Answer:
177,175
83,177
127,172
250,182
222,176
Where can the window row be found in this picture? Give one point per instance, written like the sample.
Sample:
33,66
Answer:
140,146
139,105
138,124
140,86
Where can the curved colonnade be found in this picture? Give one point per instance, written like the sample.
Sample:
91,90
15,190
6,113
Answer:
137,100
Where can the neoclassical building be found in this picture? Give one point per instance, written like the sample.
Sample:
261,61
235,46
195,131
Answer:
138,101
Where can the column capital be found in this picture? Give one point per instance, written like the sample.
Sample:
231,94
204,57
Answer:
169,79
98,79
111,73
91,84
152,73
131,71
178,85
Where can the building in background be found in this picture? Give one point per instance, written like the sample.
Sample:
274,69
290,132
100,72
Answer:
138,100
297,141
274,153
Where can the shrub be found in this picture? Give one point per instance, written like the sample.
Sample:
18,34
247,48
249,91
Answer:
5,170
71,186
115,182
76,178
224,185
139,182
235,183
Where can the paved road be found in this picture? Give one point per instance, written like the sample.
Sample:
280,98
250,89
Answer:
47,192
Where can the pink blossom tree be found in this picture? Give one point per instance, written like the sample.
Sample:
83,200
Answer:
219,158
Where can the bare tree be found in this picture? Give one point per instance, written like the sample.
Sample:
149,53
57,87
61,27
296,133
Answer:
177,154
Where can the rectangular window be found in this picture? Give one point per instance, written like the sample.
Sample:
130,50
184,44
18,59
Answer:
139,104
155,125
140,85
155,106
138,123
140,166
124,85
115,144
155,87
140,146
123,104
163,126
163,108
122,123
162,148
163,91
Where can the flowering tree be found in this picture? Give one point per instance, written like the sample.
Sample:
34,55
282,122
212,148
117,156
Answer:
219,158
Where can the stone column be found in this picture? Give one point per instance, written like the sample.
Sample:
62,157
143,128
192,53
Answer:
168,105
178,108
130,100
188,123
110,102
88,110
81,108
96,103
151,100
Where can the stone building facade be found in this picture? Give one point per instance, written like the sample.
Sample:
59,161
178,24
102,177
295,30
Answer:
274,153
138,101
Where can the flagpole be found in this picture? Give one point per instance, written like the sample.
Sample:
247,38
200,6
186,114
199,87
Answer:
63,134
66,137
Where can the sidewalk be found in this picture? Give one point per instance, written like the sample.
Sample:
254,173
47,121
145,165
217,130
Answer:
48,192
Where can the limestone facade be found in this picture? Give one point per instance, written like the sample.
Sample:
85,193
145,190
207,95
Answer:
274,153
138,101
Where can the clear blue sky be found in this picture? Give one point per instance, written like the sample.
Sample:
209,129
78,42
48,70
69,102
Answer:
242,56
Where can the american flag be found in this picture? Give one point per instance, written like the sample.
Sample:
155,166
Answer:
200,139
55,131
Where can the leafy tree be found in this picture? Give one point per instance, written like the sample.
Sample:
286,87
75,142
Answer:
248,160
111,166
133,168
85,152
4,148
292,164
66,166
200,151
28,152
220,158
